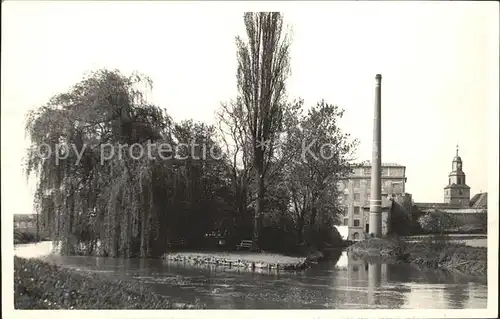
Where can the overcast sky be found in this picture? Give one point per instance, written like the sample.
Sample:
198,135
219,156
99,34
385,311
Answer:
439,62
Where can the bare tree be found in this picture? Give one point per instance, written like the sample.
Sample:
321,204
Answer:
263,68
236,140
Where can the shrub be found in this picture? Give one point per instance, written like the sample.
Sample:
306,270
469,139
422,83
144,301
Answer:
437,222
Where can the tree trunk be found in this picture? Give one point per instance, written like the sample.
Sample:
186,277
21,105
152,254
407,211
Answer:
313,216
143,230
300,227
300,230
258,212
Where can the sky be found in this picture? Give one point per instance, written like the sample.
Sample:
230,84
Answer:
438,60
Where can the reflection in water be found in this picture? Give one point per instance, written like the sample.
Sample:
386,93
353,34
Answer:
340,282
369,285
458,296
373,282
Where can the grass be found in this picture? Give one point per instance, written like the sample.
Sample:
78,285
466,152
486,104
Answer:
452,256
375,247
41,285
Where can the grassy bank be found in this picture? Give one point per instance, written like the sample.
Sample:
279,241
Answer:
450,256
434,253
41,285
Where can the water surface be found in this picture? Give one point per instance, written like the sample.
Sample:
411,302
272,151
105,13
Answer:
342,283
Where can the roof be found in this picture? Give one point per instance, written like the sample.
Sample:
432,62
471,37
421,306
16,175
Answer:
456,186
479,200
369,164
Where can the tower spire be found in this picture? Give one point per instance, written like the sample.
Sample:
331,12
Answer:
457,148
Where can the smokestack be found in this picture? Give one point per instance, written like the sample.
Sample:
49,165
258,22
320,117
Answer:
376,198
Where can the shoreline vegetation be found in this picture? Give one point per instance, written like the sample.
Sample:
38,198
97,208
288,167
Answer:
42,285
433,253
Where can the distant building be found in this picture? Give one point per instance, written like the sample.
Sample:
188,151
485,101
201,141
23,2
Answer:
356,190
457,192
457,199
25,221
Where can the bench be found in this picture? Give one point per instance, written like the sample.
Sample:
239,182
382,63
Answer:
244,244
176,243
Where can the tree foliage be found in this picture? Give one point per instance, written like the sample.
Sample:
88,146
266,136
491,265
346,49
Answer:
98,194
263,67
321,154
127,204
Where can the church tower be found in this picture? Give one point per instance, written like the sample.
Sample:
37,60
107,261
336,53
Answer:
457,193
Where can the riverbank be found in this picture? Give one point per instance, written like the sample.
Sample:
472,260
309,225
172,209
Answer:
246,261
455,257
431,254
41,285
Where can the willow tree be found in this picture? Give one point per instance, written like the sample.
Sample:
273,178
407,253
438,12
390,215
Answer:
263,68
85,196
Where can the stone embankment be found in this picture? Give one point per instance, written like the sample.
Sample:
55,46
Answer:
249,261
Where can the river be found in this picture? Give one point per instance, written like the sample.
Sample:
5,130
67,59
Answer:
341,283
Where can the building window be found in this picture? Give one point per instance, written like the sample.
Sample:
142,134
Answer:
355,236
356,223
385,171
460,192
367,171
346,198
356,197
346,221
356,183
356,210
